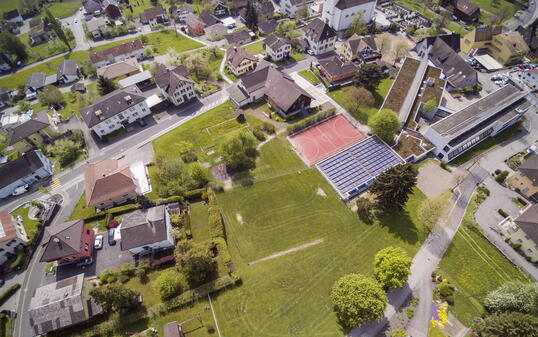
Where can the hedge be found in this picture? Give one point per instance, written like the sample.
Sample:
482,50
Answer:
169,200
10,291
309,121
114,211
216,224
502,213
197,293
195,194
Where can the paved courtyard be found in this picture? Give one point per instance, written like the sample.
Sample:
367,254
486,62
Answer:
433,180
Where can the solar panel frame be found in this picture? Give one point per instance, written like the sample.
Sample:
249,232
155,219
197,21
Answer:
354,168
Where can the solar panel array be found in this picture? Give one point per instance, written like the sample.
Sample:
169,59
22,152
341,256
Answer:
353,169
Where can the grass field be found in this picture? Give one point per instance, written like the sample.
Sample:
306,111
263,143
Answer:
62,10
475,267
340,96
30,226
310,76
255,48
44,50
283,208
80,210
487,144
199,221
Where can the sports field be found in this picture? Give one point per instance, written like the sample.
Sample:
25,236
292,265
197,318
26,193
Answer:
286,207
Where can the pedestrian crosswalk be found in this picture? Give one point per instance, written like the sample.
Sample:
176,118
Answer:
55,183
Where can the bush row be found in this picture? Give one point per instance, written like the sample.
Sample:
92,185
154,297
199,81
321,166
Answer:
113,211
10,291
309,121
216,223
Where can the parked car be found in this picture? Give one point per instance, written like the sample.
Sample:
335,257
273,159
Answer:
310,52
20,190
2,282
111,233
98,243
86,262
141,122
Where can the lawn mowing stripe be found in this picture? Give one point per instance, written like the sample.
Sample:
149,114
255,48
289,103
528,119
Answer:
467,239
287,251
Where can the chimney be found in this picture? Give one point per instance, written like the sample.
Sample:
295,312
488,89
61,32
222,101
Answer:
128,99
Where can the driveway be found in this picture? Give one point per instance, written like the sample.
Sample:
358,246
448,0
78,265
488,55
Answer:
104,258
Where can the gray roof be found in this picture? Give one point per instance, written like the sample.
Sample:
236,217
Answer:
275,41
192,20
208,19
215,29
358,43
529,168
168,79
479,111
19,168
267,8
528,222
135,79
236,37
28,128
172,329
235,55
111,104
91,6
452,40
143,227
67,67
60,304
318,30
36,81
345,4
96,23
453,65
152,13
335,67
62,240
267,27
11,14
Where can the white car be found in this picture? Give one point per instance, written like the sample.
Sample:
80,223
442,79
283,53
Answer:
98,243
20,190
310,52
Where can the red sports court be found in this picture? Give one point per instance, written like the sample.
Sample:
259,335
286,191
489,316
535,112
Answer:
322,140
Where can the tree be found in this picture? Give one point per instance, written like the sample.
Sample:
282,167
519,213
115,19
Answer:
368,76
239,150
114,297
357,98
302,12
514,324
392,267
384,43
195,260
168,284
400,50
171,177
358,299
105,85
288,29
430,210
513,296
57,28
23,105
385,123
65,150
51,95
358,25
12,43
392,187
495,3
199,174
88,69
28,6
251,18
430,105
364,209
197,65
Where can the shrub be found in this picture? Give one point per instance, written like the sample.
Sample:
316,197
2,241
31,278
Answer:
189,157
309,121
123,278
194,194
168,284
268,127
258,133
399,333
216,224
410,312
414,301
9,292
209,327
522,201
502,213
501,177
364,209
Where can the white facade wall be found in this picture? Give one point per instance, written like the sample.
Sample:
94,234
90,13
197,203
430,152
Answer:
42,172
280,53
286,7
125,117
139,54
341,19
183,93
321,47
530,79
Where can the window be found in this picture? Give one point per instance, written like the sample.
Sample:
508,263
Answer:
86,247
121,117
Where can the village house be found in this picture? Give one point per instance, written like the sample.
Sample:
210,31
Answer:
175,84
145,231
239,61
118,53
208,19
523,231
336,71
220,8
68,72
279,90
12,239
216,32
363,48
267,27
13,16
96,27
238,38
525,178
92,7
40,31
464,10
154,16
320,37
5,97
112,9
120,69
115,110
293,8
27,169
67,242
180,12
277,47
31,133
195,26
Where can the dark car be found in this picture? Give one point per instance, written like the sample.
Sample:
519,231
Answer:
111,240
141,122
2,282
86,262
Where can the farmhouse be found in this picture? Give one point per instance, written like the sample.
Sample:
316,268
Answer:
175,84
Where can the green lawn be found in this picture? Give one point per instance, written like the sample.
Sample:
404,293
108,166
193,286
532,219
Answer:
62,10
435,332
487,144
310,76
490,6
44,50
199,221
340,96
30,226
283,208
203,131
50,67
475,267
80,210
255,48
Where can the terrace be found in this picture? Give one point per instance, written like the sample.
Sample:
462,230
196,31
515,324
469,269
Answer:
427,92
412,145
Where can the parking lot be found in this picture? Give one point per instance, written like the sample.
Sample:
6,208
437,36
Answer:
104,258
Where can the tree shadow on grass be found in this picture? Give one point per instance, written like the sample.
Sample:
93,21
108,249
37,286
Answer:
399,223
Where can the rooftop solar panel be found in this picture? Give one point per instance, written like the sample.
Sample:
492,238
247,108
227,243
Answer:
353,169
